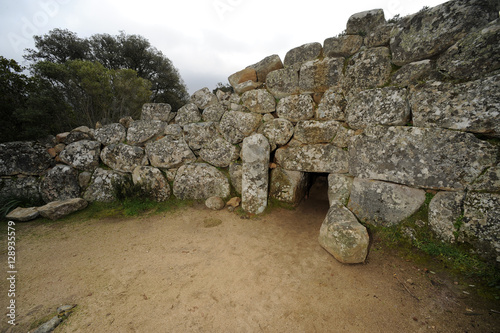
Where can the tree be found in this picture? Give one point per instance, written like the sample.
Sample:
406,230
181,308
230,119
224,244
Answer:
114,53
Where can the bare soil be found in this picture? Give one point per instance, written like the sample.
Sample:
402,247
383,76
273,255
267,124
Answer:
196,270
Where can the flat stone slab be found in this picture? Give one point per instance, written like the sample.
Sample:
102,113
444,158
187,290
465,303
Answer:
58,209
21,214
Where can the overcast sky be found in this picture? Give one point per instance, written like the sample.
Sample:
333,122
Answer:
207,40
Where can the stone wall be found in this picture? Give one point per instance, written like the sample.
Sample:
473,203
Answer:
394,112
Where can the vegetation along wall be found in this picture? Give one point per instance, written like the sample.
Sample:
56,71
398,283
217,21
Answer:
401,115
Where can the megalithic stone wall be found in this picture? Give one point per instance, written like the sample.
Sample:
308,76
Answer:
389,110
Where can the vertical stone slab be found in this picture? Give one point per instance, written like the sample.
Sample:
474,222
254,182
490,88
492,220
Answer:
255,179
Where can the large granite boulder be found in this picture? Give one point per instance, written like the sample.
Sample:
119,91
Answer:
25,188
433,30
152,182
382,203
157,111
368,69
203,98
266,66
481,225
169,153
197,135
236,174
284,82
259,101
445,211
58,209
200,181
363,22
255,181
313,131
219,152
110,134
342,46
339,188
104,185
383,106
302,54
332,106
60,183
420,157
288,186
122,157
313,158
236,125
343,236
187,114
413,72
82,155
296,107
213,113
78,134
475,55
247,74
318,75
141,131
472,106
26,158
277,131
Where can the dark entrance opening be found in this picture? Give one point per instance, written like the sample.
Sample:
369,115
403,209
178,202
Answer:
316,199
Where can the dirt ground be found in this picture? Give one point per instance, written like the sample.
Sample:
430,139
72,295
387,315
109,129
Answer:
181,272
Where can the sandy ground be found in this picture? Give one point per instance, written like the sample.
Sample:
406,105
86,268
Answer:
177,272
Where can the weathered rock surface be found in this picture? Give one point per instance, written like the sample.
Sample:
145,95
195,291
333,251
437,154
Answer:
383,106
444,214
284,82
197,135
110,134
219,152
471,106
318,75
174,131
26,158
200,181
27,188
104,184
203,98
342,46
303,53
332,106
169,153
266,66
142,131
482,222
313,158
343,236
368,69
296,107
475,55
152,181
236,174
277,131
259,101
82,155
363,22
247,74
432,31
122,157
343,137
489,180
78,134
313,131
57,209
421,157
60,183
288,186
255,181
247,86
215,203
382,203
339,188
157,111
213,113
236,125
380,36
413,72
21,214
187,114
